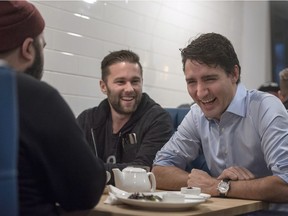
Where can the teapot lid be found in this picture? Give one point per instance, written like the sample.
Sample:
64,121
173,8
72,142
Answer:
133,169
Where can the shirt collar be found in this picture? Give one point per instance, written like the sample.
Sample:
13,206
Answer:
238,104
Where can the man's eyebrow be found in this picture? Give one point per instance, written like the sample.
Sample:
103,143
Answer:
209,76
119,78
190,79
204,77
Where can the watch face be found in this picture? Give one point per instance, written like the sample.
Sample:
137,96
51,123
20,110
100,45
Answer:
223,187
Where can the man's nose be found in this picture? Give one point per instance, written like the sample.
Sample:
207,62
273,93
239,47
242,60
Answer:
129,87
201,90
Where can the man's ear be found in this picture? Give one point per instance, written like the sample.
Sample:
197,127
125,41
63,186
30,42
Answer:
103,86
28,50
236,73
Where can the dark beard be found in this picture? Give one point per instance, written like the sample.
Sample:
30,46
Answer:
36,69
118,109
117,106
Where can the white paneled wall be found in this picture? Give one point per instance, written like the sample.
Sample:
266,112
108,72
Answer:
155,30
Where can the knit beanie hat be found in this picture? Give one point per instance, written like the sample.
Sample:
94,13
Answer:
18,20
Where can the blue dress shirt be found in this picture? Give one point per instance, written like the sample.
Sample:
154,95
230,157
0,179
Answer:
252,133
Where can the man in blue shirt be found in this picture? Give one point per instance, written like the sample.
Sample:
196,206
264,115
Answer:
242,133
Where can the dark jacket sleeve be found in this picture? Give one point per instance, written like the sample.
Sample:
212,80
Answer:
157,130
85,121
74,177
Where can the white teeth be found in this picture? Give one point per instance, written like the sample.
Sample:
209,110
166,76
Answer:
207,101
127,98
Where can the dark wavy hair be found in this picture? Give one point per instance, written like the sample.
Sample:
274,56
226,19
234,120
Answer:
213,50
116,57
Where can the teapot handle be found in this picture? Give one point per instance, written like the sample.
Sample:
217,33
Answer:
152,181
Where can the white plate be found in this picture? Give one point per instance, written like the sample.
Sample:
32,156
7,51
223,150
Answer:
187,203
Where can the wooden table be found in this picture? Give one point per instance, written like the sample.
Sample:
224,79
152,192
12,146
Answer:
212,207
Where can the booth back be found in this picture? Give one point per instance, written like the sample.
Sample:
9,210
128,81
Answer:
177,115
8,143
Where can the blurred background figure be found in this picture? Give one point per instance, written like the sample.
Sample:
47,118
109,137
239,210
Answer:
283,92
270,87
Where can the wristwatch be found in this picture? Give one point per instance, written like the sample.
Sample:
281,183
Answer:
223,187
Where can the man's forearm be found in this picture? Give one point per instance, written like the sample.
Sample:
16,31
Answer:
170,177
271,189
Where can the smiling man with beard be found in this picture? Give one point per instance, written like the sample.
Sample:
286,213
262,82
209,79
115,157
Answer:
242,133
128,127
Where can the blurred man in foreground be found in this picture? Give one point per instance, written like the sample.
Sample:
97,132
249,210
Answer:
56,168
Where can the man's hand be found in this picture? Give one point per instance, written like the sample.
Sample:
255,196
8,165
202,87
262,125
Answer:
236,173
200,178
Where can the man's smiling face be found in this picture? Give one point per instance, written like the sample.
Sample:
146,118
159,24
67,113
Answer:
123,87
210,87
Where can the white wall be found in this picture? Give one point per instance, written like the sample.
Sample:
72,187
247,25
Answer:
256,55
153,29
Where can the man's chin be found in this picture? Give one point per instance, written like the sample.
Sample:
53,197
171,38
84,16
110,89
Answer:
128,110
210,115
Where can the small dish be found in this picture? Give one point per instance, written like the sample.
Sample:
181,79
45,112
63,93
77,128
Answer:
191,190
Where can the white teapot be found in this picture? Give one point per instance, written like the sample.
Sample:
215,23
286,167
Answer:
134,179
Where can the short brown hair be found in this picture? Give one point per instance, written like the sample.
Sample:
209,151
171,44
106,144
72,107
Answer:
214,50
116,57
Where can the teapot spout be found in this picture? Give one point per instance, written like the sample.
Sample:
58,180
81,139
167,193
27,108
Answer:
118,177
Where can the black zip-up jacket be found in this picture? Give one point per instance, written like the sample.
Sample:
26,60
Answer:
138,141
